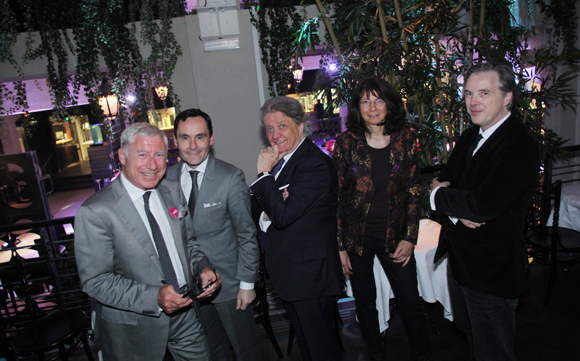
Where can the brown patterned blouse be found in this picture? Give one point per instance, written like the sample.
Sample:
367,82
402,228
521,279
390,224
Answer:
353,163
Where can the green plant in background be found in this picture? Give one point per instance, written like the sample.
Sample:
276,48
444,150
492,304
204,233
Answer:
85,31
15,94
424,47
276,22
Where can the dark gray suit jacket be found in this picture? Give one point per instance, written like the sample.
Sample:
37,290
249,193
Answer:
223,225
119,267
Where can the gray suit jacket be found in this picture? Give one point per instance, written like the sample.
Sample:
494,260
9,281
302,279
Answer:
223,225
119,268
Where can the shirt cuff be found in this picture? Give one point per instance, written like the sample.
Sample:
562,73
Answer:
257,180
264,224
432,201
246,285
432,198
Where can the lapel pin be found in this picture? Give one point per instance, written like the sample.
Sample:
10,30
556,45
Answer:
174,212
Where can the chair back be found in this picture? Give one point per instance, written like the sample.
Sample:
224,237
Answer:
545,205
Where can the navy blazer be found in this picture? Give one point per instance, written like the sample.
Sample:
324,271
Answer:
301,252
496,187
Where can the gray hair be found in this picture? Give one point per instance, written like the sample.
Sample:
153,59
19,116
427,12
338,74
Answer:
290,107
507,78
140,129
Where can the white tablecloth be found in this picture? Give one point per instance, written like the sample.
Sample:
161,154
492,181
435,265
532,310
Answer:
569,208
432,278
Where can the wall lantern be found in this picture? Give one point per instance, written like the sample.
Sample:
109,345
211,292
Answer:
297,73
108,101
161,92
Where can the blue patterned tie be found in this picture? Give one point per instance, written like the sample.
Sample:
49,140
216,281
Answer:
277,167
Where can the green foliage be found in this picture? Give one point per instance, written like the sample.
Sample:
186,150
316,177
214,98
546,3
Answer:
90,30
277,22
424,47
563,14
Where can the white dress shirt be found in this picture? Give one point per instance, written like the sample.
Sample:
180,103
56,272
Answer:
185,180
160,214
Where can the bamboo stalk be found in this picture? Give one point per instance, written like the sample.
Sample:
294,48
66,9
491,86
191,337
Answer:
382,22
400,21
329,29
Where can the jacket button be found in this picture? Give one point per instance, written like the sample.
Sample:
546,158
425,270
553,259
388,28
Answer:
163,281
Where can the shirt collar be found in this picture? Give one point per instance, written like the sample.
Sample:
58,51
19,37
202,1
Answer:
134,192
486,134
289,155
200,168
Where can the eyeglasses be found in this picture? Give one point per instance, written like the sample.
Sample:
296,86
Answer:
367,103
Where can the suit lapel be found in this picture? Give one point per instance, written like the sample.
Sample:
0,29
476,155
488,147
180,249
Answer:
206,186
493,141
175,224
300,151
128,215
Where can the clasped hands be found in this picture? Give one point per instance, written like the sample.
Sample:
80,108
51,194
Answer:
170,300
467,223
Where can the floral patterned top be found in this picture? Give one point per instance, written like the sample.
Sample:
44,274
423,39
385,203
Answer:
355,178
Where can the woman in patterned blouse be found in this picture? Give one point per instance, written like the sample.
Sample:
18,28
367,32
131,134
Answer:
378,211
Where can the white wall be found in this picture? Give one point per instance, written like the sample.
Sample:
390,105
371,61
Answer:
227,89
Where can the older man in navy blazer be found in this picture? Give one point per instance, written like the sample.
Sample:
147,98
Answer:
485,190
296,194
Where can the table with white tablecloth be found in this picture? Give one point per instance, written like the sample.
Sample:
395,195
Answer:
569,208
432,277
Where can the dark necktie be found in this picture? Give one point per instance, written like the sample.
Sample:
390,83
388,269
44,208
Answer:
277,167
473,145
164,259
194,191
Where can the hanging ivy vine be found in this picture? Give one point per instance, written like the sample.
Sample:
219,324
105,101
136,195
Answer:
276,22
88,31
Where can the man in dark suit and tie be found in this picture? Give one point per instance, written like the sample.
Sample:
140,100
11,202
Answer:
219,201
485,190
134,258
296,195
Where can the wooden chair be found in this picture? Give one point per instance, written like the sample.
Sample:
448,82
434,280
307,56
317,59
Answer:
552,245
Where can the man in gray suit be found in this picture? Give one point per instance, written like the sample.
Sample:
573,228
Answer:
219,201
133,259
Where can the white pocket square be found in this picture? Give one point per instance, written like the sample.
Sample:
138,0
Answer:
208,205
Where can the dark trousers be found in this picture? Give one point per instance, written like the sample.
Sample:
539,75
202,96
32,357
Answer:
223,324
488,322
403,281
313,323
